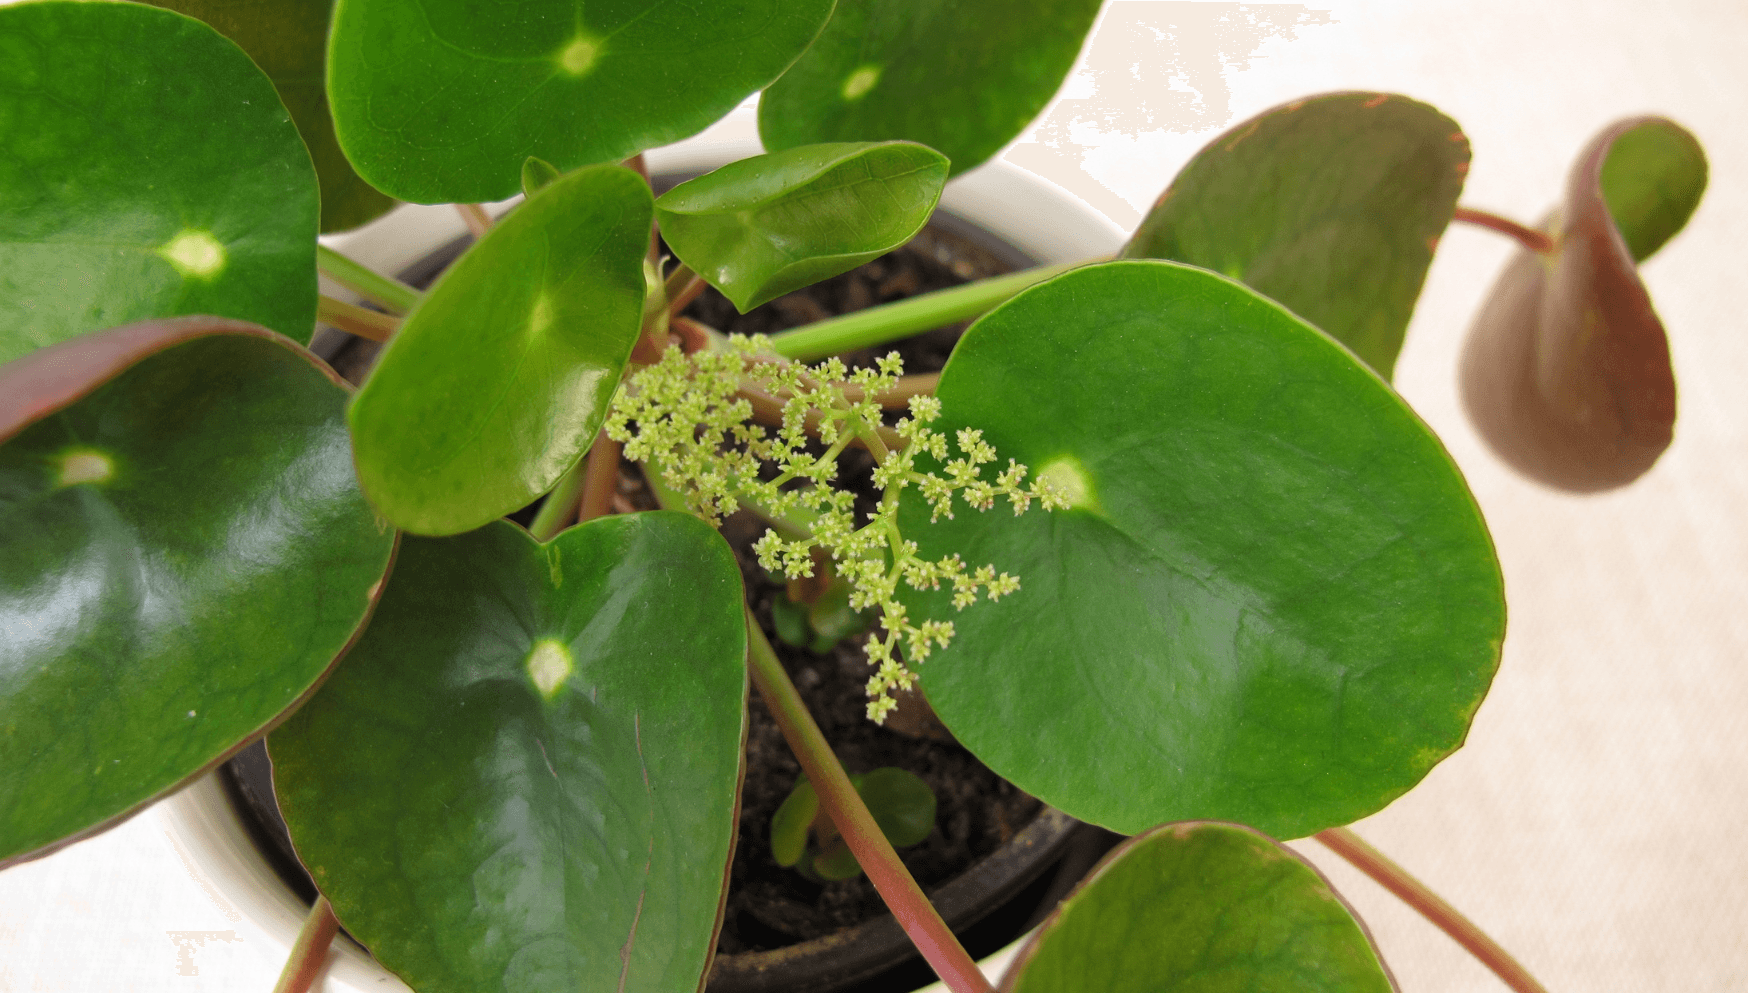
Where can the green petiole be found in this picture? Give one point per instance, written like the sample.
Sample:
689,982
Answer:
892,321
391,293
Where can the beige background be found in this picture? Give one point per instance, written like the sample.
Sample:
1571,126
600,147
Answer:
1592,822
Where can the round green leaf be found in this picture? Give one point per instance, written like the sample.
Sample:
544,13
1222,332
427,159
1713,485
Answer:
1330,205
497,382
183,553
902,804
769,225
525,776
150,170
1652,180
288,39
443,100
1273,600
1566,371
962,77
1200,907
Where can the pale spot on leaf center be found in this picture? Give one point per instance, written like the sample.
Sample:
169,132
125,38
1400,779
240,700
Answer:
194,253
1070,479
541,317
84,465
860,82
549,665
579,56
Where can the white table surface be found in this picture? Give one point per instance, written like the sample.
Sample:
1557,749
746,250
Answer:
1592,823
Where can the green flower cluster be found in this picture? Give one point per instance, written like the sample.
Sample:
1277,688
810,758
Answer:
691,417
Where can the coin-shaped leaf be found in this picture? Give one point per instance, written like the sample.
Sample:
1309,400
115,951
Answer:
184,552
772,224
1330,205
961,77
149,171
440,100
1566,372
524,777
288,39
1200,907
496,383
1273,600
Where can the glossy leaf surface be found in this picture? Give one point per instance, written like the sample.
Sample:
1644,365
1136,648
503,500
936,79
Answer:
496,383
443,100
183,553
772,224
524,777
1566,371
149,171
963,78
1273,600
288,39
1200,907
1330,205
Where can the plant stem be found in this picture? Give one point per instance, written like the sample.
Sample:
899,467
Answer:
891,321
391,293
1536,241
310,950
683,286
1413,892
356,320
476,218
855,824
562,504
555,514
600,478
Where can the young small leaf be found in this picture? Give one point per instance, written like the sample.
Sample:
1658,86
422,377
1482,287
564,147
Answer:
1272,598
962,77
524,778
1329,205
837,863
149,171
1200,907
497,382
1566,371
443,100
184,552
830,616
768,225
537,174
790,620
791,823
902,804
288,39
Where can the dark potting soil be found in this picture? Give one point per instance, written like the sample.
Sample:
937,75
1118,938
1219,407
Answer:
977,811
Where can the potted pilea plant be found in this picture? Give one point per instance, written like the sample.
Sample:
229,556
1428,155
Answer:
1159,544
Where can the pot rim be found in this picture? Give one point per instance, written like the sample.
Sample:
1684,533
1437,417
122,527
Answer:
200,821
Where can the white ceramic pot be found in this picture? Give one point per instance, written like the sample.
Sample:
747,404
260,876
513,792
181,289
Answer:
1033,214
